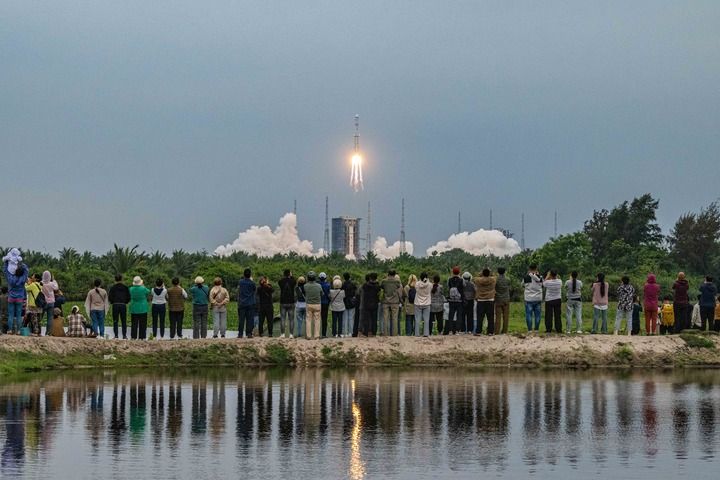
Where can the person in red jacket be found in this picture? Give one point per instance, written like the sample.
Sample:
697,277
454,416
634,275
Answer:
651,293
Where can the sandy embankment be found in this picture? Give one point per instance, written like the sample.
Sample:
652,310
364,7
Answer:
501,350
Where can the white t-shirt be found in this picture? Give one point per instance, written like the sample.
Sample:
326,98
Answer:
553,289
159,298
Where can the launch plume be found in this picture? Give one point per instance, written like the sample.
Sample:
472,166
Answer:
264,242
383,251
479,242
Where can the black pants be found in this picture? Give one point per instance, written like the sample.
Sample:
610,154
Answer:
682,316
553,316
666,329
138,326
369,320
437,319
356,321
245,320
158,318
706,317
635,325
716,325
265,314
119,313
486,308
467,320
176,321
324,309
455,316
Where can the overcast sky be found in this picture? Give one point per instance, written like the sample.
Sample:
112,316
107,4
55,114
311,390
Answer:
176,124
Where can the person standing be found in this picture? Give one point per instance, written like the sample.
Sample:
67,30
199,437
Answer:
553,302
409,305
437,305
15,296
337,307
351,300
200,294
300,307
573,288
681,303
313,298
176,297
325,303
636,310
532,283
138,309
392,295
246,304
455,303
423,301
600,290
708,292
48,289
625,296
3,310
32,290
502,302
265,306
96,306
219,298
119,297
158,308
371,300
651,297
287,286
468,324
485,301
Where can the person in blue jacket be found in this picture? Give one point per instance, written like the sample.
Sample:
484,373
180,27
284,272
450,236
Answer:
246,304
324,303
16,295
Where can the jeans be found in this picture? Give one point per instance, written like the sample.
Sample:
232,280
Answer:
391,325
502,316
599,314
138,325
348,318
49,313
176,321
245,320
14,316
266,315
422,315
467,324
337,321
219,321
623,315
287,318
158,317
455,317
312,321
436,318
119,313
553,316
300,313
200,320
409,324
573,309
324,309
98,321
532,309
485,308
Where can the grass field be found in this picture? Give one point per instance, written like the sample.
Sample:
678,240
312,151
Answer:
517,318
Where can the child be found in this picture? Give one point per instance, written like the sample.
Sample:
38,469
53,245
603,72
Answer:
716,322
667,316
30,320
3,310
636,310
13,259
695,317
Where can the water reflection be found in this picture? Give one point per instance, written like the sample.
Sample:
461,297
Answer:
358,424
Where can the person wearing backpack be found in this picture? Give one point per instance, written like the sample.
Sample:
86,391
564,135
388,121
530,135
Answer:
468,324
96,306
287,303
455,303
337,307
33,291
200,294
409,297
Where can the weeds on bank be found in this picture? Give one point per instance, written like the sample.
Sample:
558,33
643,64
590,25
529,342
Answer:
696,341
334,356
279,354
624,353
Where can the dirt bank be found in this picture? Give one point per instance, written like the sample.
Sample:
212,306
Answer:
23,354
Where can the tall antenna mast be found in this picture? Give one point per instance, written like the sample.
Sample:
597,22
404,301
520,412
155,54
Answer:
326,240
555,236
491,225
522,231
403,250
368,237
459,223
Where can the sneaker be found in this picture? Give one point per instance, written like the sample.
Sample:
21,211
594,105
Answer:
291,336
222,336
579,331
282,335
214,336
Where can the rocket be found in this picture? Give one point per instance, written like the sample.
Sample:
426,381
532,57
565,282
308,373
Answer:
356,176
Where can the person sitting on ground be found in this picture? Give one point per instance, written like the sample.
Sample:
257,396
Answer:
57,325
77,325
667,316
31,321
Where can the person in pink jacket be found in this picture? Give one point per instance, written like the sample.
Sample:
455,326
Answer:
651,294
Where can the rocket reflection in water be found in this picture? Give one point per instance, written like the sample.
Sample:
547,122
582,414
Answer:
356,176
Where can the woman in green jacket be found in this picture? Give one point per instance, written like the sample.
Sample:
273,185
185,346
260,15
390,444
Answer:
138,309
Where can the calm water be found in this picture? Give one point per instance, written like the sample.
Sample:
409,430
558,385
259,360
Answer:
361,424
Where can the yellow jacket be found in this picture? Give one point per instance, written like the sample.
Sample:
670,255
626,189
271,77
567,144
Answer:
32,289
668,315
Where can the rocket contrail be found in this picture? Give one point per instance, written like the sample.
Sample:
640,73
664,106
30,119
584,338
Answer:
356,176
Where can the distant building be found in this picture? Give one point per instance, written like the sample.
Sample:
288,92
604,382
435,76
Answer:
346,235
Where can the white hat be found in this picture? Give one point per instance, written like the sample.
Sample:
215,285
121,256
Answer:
467,276
199,280
323,275
137,280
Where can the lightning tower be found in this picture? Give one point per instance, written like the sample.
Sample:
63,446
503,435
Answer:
522,231
403,250
326,239
459,223
368,237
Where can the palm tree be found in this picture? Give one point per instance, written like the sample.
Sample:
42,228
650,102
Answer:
183,263
69,259
121,260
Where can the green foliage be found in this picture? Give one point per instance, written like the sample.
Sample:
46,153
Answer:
565,254
696,341
624,353
334,356
694,241
278,354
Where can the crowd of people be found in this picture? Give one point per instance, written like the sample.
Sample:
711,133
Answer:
312,304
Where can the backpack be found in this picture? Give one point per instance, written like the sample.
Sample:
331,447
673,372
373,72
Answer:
411,295
40,301
455,295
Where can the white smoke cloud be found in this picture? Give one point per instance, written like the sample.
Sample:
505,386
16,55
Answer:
479,242
264,242
388,252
